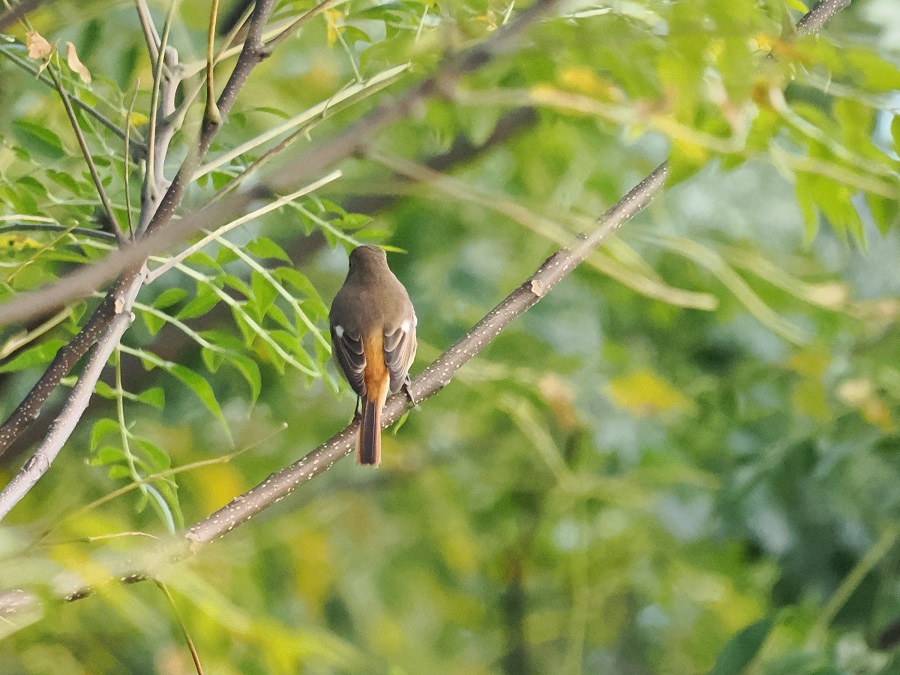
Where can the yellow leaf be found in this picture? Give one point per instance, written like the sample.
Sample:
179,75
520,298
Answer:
15,242
38,47
643,392
334,17
810,362
139,119
585,81
76,65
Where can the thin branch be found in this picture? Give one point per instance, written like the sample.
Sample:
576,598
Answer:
187,636
10,16
439,373
212,112
91,278
113,222
318,9
65,359
156,151
252,55
301,121
63,426
151,37
127,160
276,204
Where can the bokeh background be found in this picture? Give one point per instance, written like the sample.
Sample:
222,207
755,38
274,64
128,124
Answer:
693,434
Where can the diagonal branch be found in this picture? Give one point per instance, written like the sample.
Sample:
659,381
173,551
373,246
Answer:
63,426
439,373
10,16
112,222
65,359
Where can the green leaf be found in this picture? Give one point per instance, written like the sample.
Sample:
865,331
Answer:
157,459
742,648
39,139
202,258
153,322
225,255
109,455
102,428
250,371
155,396
201,388
263,247
212,359
204,301
264,293
37,355
169,297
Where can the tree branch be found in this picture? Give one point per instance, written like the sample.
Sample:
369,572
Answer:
10,16
112,221
65,359
63,426
818,16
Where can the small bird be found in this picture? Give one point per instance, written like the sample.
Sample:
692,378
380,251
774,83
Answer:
373,337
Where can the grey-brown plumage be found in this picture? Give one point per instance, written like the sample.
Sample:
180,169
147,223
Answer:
373,336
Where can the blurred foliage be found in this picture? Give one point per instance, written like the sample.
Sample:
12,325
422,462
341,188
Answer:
685,458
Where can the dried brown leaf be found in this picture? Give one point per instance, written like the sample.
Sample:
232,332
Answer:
38,47
76,65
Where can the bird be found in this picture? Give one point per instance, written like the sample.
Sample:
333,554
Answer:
373,337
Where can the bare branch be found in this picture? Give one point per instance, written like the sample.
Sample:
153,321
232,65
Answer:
151,37
62,426
65,359
251,55
10,16
212,112
818,16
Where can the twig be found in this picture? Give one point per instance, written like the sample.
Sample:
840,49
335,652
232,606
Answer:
151,37
187,636
113,222
127,160
10,16
157,151
212,112
318,9
65,359
301,121
276,204
63,426
252,54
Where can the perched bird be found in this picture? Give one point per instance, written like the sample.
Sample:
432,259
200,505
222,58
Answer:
373,337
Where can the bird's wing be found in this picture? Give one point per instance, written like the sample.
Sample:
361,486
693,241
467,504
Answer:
349,354
399,352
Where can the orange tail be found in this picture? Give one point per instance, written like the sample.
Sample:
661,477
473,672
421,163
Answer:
369,449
